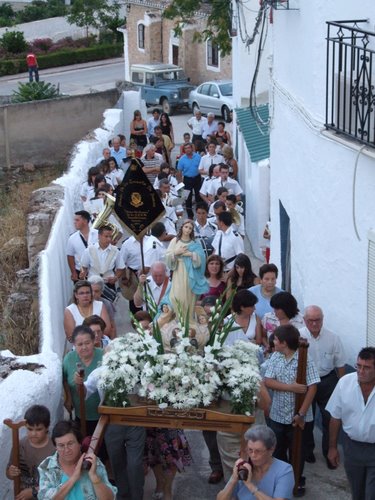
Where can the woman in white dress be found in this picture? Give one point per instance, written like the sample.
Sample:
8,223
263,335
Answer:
84,306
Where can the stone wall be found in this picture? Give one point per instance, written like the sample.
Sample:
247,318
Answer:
45,130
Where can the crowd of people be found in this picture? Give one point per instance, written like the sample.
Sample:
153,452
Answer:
194,256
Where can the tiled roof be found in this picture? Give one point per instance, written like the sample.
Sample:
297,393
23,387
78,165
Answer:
255,134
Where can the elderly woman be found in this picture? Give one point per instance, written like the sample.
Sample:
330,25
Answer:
89,357
62,476
82,307
266,477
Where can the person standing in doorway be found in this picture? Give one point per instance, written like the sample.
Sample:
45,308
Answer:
32,65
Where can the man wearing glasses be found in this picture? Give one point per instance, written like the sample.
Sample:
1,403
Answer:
352,406
327,352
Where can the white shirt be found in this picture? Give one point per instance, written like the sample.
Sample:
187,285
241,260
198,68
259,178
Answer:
197,125
209,129
208,160
102,254
231,184
238,333
347,404
154,251
75,246
157,289
207,231
326,350
131,253
231,245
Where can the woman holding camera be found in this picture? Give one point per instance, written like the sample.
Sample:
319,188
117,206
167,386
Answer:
71,474
261,477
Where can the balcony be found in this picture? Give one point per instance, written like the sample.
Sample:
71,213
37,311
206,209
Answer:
350,78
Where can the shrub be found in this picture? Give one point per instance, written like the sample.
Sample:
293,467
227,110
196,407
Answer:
38,9
63,58
43,44
13,42
35,91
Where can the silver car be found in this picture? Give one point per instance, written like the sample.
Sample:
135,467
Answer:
215,97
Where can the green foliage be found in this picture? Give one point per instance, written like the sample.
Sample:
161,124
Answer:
13,42
218,20
63,58
35,91
40,9
6,10
92,13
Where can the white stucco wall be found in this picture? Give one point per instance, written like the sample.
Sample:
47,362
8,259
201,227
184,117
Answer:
312,175
24,388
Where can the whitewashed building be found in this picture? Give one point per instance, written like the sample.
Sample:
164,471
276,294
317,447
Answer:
322,178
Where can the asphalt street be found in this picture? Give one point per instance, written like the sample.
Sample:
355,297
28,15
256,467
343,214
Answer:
74,79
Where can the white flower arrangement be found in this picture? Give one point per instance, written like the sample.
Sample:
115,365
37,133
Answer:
240,376
123,365
182,379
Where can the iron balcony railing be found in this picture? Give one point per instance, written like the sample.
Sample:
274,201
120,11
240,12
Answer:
350,78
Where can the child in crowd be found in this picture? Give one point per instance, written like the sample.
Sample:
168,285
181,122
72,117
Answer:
166,172
33,449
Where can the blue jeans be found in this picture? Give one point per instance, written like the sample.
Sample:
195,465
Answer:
33,70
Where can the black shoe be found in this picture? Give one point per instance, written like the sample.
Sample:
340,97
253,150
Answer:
310,459
330,466
301,491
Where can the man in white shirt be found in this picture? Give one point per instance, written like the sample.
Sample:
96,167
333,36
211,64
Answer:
153,122
102,259
210,127
118,152
352,406
225,181
158,284
78,242
211,158
227,243
327,352
196,124
154,248
205,188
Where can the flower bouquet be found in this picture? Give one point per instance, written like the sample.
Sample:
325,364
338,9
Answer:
182,379
123,365
240,376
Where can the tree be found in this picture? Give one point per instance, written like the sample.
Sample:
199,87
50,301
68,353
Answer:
218,20
35,91
92,13
13,42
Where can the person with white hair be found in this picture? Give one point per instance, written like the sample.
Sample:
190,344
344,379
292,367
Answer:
210,127
151,162
118,151
261,475
158,284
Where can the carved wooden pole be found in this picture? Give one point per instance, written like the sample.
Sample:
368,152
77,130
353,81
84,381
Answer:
15,450
297,434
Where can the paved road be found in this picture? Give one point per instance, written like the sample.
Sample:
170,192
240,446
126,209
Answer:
74,79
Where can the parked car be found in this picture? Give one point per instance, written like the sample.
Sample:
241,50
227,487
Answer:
215,97
162,85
